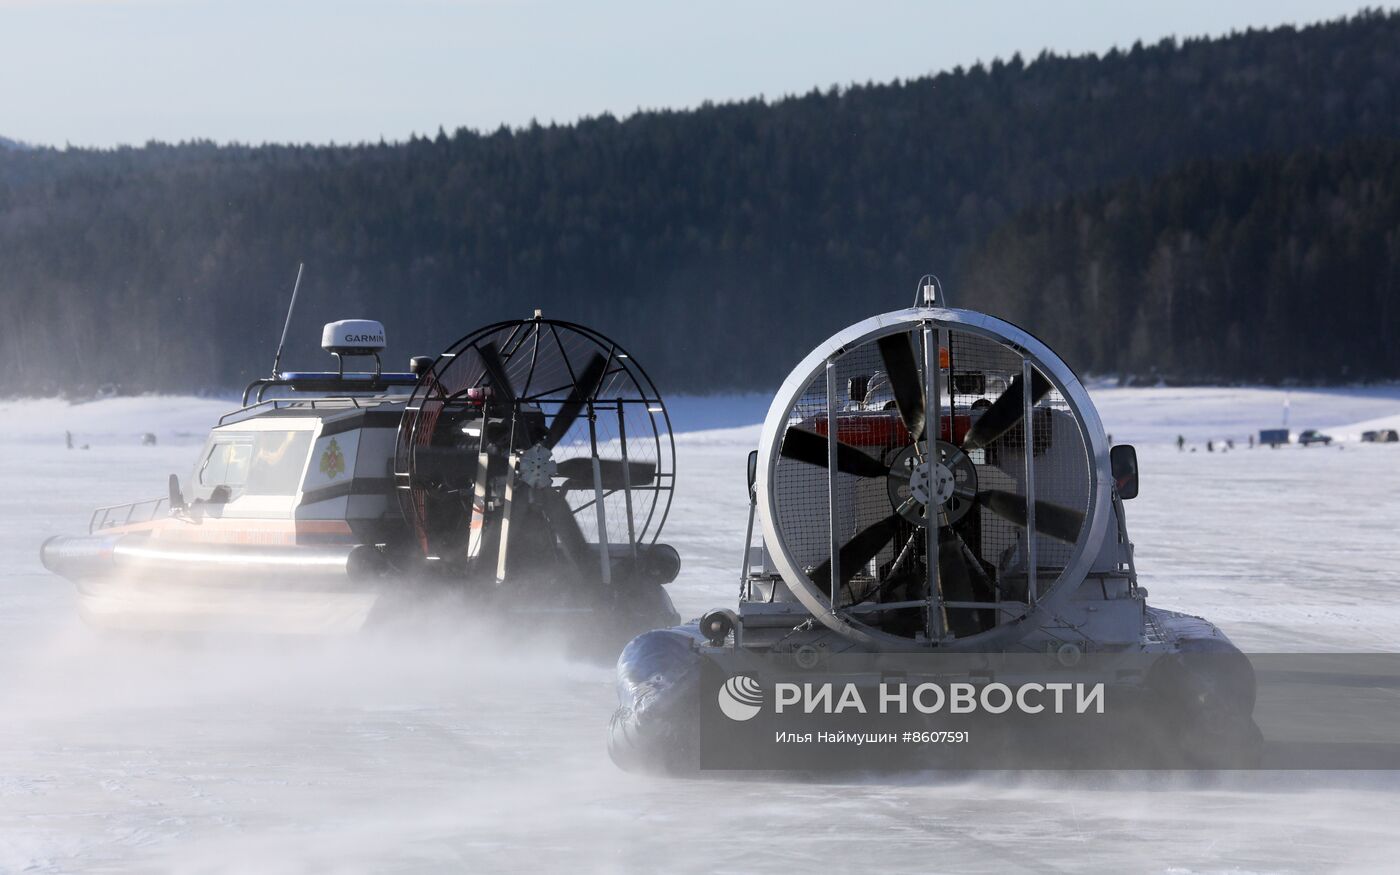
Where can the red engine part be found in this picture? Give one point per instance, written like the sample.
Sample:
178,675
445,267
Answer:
884,429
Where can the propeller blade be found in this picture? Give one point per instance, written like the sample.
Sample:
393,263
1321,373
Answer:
963,579
580,473
902,367
1005,412
859,550
1058,522
566,529
810,447
447,467
586,387
496,369
954,577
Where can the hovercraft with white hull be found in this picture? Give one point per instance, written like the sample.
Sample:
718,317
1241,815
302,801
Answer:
933,483
526,469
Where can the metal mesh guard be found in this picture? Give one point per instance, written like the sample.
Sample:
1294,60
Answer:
543,358
976,371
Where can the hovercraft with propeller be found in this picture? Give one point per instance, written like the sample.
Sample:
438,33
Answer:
528,468
931,483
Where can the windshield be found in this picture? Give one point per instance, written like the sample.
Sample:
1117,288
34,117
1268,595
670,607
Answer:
253,463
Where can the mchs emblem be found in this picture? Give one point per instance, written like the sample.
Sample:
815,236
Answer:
332,460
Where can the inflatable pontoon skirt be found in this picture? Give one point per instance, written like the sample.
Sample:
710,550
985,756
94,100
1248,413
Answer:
659,674
79,558
140,584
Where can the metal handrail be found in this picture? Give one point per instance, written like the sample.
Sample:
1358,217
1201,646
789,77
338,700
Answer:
280,403
327,381
109,515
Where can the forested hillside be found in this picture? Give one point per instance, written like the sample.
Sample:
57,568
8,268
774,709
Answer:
1255,269
1203,209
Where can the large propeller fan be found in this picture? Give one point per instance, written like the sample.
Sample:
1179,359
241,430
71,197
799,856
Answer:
958,566
476,462
578,471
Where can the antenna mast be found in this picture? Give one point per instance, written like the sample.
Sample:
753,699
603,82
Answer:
276,361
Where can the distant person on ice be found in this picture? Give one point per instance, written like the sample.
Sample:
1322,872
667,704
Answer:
1180,443
68,438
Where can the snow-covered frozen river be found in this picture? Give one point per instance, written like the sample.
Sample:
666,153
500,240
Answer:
439,747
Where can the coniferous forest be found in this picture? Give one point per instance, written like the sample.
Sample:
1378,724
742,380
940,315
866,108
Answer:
1209,209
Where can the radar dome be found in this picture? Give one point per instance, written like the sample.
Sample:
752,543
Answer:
353,337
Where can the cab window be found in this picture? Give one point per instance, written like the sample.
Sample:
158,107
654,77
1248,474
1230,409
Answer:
253,463
278,459
226,464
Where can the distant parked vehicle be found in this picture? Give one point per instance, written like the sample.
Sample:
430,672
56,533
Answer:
1381,436
1273,437
1313,436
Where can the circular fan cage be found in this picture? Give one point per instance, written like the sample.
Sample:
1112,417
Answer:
991,577
570,396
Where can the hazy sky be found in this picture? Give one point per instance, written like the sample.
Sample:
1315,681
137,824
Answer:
100,72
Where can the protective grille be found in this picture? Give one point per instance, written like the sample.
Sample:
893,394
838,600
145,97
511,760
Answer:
545,361
977,372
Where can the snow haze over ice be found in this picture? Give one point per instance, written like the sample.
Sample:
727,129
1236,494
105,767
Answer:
440,744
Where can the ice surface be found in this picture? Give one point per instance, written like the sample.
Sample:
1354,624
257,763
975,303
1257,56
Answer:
438,747
1158,415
